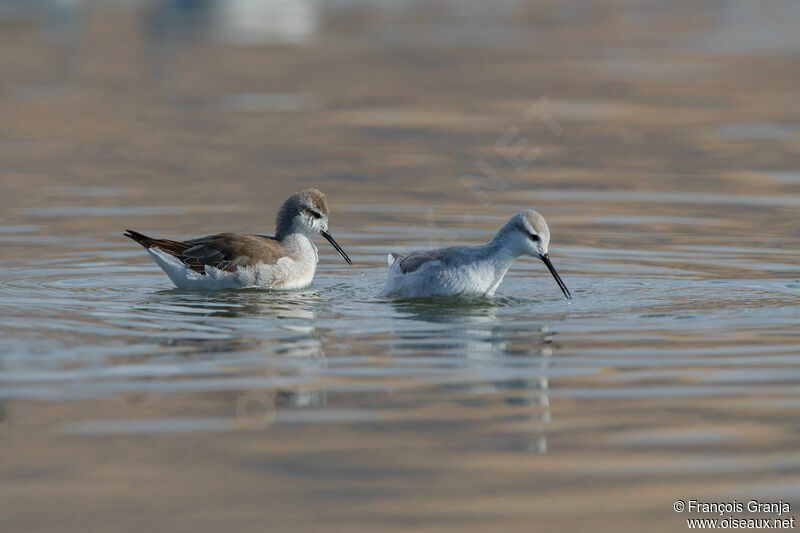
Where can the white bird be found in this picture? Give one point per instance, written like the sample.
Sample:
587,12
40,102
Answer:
471,270
232,260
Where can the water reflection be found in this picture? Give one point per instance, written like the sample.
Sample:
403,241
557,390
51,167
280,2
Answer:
239,22
677,223
446,309
464,349
484,354
238,303
62,27
298,354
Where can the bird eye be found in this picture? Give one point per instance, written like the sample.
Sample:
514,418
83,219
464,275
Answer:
312,213
534,237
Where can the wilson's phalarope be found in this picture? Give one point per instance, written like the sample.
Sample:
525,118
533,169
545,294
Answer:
471,270
231,260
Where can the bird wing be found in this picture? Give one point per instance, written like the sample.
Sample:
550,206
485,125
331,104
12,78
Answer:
416,260
225,251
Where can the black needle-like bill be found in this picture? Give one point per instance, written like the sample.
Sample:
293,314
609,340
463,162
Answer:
330,239
546,259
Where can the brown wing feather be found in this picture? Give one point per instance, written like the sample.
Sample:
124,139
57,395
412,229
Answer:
226,251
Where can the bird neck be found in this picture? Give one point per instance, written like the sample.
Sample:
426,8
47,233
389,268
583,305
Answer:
289,226
498,253
493,261
503,247
300,246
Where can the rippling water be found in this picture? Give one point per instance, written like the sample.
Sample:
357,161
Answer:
673,205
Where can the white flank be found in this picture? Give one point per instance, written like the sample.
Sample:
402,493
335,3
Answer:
283,274
472,270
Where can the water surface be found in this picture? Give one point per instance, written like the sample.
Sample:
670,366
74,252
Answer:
666,165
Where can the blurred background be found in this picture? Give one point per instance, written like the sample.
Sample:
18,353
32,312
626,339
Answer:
660,140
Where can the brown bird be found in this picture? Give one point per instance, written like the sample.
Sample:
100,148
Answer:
231,260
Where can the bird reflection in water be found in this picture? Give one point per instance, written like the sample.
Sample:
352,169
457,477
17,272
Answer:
484,355
226,327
